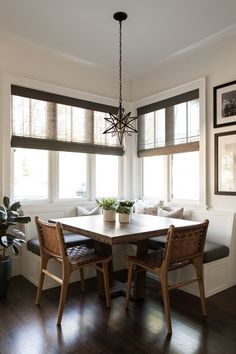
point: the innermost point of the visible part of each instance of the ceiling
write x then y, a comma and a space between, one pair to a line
85, 30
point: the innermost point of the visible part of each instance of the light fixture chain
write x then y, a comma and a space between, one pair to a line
120, 64
120, 123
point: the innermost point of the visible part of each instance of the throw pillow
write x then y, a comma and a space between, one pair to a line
147, 207
171, 213
85, 212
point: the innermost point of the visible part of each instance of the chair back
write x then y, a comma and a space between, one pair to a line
51, 238
185, 243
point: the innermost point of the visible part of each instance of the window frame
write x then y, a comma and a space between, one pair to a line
197, 84
53, 181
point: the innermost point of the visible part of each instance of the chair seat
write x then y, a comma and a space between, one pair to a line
154, 260
82, 255
212, 250
71, 240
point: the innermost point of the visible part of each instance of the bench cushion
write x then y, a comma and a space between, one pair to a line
212, 250
71, 240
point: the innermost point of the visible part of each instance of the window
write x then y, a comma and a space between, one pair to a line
185, 176
169, 145
72, 175
154, 177
59, 149
30, 174
106, 176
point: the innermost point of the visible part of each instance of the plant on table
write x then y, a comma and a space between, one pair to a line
125, 210
109, 206
108, 203
125, 207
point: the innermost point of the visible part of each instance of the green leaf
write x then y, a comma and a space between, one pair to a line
3, 215
7, 241
15, 233
13, 213
6, 202
15, 206
23, 219
15, 250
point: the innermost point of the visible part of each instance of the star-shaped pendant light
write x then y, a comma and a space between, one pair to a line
121, 123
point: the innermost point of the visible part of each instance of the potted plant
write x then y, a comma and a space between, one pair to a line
109, 206
10, 237
125, 210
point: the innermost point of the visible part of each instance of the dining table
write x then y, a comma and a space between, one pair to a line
109, 233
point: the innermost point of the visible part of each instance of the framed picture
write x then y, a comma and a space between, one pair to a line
225, 163
224, 104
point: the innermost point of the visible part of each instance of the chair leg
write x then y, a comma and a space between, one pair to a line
106, 283
199, 270
44, 261
64, 288
129, 282
82, 283
166, 300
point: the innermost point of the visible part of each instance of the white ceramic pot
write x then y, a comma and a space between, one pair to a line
124, 218
109, 215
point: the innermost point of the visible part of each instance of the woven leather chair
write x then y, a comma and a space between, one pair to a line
52, 245
185, 245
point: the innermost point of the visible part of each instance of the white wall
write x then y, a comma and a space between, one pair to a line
215, 61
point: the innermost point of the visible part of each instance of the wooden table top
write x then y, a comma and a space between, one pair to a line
141, 227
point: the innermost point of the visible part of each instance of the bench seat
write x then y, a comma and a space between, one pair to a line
71, 240
212, 250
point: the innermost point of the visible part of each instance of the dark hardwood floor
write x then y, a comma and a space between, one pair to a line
88, 327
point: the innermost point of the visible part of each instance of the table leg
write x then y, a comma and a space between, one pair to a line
138, 288
116, 287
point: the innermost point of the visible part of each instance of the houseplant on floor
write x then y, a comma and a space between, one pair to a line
109, 206
125, 210
10, 237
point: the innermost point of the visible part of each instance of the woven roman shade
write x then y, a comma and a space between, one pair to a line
169, 126
48, 121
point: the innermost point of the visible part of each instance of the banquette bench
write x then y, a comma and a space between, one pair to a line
212, 250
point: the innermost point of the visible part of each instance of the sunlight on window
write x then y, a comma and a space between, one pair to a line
106, 176
185, 176
154, 176
72, 175
30, 174
180, 123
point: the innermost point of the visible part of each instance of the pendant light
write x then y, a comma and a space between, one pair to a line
121, 123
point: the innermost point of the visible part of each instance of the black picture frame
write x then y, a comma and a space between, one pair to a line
225, 163
224, 106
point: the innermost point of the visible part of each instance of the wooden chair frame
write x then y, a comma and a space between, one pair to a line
52, 246
185, 245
